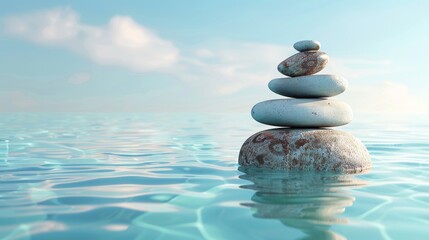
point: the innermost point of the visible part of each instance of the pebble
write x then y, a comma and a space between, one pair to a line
306, 145
303, 63
324, 150
307, 45
312, 86
303, 112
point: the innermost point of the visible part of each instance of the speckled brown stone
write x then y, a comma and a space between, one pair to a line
323, 150
303, 63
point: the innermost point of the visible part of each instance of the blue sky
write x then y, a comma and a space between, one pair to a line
205, 56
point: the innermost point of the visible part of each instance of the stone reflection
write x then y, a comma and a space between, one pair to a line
310, 202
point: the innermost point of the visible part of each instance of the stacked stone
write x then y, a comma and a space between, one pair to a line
305, 144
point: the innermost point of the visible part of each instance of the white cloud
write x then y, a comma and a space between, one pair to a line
122, 42
217, 71
230, 67
223, 68
370, 94
385, 99
58, 26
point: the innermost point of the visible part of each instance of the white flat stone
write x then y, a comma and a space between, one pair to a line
303, 112
311, 86
307, 45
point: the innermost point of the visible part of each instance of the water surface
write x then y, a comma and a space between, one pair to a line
175, 176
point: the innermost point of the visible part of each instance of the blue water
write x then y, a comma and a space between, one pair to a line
175, 176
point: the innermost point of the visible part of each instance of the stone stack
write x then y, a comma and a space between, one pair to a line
306, 143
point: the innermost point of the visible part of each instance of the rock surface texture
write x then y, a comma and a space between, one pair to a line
305, 145
303, 63
303, 112
305, 150
312, 86
307, 45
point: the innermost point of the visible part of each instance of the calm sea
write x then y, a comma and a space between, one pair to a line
175, 176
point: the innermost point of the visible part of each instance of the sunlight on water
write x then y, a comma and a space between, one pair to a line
175, 176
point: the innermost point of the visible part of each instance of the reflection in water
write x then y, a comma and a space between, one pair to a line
310, 202
4, 150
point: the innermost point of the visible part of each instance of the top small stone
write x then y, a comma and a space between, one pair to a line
307, 45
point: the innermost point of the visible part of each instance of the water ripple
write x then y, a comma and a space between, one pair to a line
134, 176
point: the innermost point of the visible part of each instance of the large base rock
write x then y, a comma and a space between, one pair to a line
323, 150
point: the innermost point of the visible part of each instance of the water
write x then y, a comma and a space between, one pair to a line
175, 176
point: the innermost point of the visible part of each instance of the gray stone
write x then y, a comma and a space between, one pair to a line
323, 150
312, 86
307, 45
303, 63
303, 112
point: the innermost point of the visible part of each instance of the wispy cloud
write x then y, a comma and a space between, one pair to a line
229, 67
354, 68
121, 42
17, 100
213, 73
79, 78
222, 68
385, 99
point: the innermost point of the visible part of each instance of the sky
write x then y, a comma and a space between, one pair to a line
206, 56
